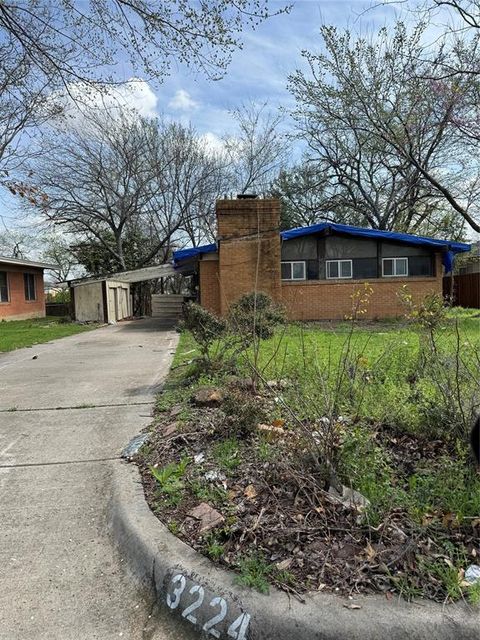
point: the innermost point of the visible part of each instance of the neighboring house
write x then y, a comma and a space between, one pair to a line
313, 270
22, 289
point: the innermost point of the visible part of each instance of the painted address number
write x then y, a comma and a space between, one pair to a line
237, 630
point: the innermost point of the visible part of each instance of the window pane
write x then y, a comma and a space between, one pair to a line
388, 267
298, 270
364, 268
420, 266
3, 287
401, 267
313, 270
332, 269
346, 269
286, 271
29, 282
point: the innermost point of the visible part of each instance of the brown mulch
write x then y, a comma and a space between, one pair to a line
281, 508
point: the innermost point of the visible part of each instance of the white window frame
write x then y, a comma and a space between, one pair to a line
394, 274
339, 277
291, 263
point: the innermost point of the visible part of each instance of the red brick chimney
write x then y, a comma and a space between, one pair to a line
249, 248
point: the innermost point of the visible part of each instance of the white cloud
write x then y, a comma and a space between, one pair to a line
182, 101
213, 142
131, 99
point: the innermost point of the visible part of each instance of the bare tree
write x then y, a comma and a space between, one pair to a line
71, 41
127, 189
259, 148
374, 112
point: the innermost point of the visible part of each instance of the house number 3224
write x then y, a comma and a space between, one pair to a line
218, 607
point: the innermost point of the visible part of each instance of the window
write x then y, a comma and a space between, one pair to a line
394, 267
339, 269
3, 286
29, 283
293, 270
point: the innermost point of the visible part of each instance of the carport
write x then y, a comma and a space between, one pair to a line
109, 299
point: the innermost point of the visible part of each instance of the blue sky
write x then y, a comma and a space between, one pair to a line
259, 72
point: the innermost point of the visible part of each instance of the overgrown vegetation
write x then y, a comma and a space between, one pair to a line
337, 454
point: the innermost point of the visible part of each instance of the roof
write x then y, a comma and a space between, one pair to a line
360, 232
407, 238
193, 252
27, 263
134, 275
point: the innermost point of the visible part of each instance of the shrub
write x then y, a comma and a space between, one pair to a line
207, 330
255, 315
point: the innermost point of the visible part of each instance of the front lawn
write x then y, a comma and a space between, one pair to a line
25, 333
335, 456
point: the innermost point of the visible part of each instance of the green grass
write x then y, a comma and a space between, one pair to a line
26, 333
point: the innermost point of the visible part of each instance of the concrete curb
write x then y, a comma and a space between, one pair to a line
203, 597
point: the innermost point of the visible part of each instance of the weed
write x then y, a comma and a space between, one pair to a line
170, 481
474, 593
448, 574
265, 451
406, 586
227, 454
254, 572
174, 527
245, 412
213, 548
208, 493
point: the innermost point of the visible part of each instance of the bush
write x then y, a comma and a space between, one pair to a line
206, 329
255, 315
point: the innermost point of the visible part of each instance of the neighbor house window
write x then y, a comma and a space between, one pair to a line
293, 270
339, 269
3, 286
29, 283
394, 267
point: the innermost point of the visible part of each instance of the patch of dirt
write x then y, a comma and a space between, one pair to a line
268, 495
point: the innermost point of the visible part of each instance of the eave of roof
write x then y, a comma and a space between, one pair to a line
28, 263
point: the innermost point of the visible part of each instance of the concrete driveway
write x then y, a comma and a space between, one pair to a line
64, 418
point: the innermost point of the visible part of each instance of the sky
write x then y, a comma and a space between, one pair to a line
259, 72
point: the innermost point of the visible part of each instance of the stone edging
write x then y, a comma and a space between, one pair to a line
203, 597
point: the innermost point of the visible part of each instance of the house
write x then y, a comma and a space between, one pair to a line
21, 288
312, 270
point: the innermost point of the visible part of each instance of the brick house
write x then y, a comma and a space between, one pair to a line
313, 270
21, 289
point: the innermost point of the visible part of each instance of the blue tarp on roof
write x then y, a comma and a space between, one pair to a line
192, 252
450, 248
448, 258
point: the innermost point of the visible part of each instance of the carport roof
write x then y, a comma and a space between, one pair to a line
134, 275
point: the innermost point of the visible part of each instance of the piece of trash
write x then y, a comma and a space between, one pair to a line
472, 574
134, 445
34, 357
351, 606
200, 457
213, 476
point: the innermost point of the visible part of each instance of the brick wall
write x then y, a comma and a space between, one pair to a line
315, 300
17, 308
209, 285
249, 248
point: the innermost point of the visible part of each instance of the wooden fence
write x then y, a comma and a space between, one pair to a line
58, 308
466, 290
